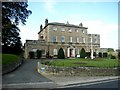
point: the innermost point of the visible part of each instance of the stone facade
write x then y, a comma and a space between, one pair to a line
72, 38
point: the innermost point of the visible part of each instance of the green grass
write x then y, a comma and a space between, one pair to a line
101, 62
9, 59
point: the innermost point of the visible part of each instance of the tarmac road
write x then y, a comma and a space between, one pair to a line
24, 74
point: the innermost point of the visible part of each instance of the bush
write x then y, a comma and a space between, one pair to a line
100, 54
61, 54
39, 54
113, 57
88, 54
82, 53
94, 54
31, 54
105, 55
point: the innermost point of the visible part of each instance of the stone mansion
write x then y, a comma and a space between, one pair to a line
55, 35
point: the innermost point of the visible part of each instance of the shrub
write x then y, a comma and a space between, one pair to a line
61, 54
100, 54
88, 54
82, 53
39, 54
94, 54
113, 57
105, 54
31, 54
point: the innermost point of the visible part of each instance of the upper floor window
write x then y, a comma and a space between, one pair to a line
63, 39
70, 30
95, 39
55, 39
70, 39
62, 29
55, 28
76, 30
83, 31
77, 39
83, 40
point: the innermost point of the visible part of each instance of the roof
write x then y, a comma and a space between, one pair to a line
63, 24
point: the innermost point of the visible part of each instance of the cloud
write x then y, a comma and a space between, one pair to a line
49, 5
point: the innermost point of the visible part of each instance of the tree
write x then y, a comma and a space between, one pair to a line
61, 54
110, 50
13, 13
82, 53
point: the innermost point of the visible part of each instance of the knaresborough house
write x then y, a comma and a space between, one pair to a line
71, 38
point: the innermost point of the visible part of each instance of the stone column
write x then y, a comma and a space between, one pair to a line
68, 52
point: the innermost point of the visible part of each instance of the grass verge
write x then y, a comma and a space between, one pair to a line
9, 59
100, 62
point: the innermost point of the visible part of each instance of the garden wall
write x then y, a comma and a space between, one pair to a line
78, 71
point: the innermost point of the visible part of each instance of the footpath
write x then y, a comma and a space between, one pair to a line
68, 80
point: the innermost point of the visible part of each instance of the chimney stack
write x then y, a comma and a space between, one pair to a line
46, 22
40, 27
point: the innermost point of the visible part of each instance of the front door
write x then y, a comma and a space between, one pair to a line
70, 52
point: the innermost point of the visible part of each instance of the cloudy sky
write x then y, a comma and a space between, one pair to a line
100, 18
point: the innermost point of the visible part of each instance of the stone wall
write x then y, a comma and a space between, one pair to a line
78, 71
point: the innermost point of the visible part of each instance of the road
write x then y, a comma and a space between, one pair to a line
109, 85
24, 74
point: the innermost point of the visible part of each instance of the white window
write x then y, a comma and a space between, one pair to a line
62, 29
63, 39
95, 39
55, 39
55, 51
77, 39
55, 28
76, 30
70, 39
70, 30
83, 40
83, 31
90, 40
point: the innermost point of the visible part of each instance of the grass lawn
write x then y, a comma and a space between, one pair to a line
100, 62
9, 59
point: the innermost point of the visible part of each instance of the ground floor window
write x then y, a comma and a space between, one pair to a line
55, 51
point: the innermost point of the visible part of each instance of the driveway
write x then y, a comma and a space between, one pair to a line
24, 74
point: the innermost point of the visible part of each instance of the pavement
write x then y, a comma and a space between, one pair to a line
27, 76
67, 81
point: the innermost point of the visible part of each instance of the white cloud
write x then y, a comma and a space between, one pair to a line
49, 5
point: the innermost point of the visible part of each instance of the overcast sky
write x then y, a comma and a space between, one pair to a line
100, 18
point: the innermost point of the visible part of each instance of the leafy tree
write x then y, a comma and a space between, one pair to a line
13, 13
61, 54
82, 53
39, 54
110, 50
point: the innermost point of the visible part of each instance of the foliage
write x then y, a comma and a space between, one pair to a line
9, 59
119, 55
61, 54
110, 50
94, 54
105, 55
113, 57
32, 54
88, 54
99, 62
82, 53
12, 14
100, 54
39, 54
